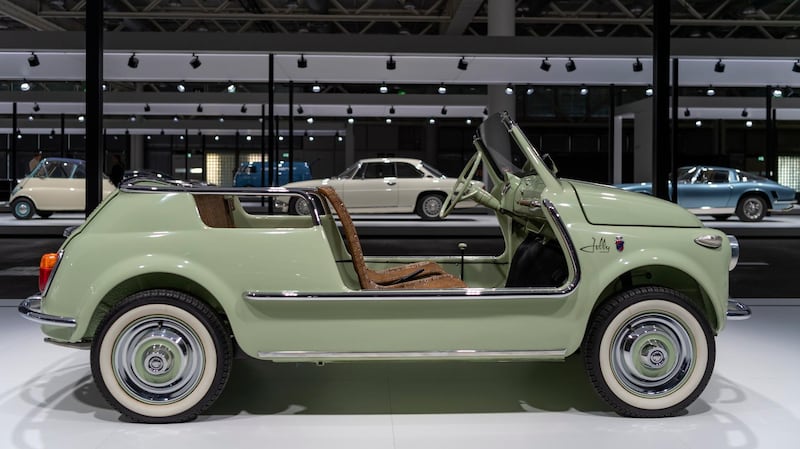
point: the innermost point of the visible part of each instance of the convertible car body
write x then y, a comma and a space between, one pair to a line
638, 285
722, 192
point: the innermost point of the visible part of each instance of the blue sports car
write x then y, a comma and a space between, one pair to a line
722, 192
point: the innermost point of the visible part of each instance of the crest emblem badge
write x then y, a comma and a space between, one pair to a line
619, 243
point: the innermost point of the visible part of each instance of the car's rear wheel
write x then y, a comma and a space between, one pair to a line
44, 214
299, 206
751, 208
721, 217
649, 352
161, 356
429, 205
23, 208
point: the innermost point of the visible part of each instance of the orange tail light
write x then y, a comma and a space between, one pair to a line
46, 264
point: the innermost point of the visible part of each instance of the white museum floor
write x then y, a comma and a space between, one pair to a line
48, 400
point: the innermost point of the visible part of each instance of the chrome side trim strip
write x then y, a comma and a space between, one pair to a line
67, 344
31, 309
457, 353
738, 310
713, 211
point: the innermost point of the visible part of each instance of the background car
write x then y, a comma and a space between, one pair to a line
55, 185
381, 185
249, 173
722, 192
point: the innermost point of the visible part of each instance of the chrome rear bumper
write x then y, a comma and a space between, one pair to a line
737, 310
31, 309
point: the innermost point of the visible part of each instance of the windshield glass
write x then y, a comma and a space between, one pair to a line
349, 171
505, 156
436, 173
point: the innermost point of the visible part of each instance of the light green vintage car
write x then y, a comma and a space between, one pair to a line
163, 283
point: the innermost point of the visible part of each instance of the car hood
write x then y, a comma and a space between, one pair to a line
604, 204
307, 184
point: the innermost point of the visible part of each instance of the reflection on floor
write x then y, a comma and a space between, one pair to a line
48, 400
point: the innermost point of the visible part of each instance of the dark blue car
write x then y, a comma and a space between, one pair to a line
722, 192
249, 174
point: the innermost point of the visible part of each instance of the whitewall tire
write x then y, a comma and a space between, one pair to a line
649, 352
161, 356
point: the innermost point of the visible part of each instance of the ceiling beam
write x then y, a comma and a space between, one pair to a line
28, 18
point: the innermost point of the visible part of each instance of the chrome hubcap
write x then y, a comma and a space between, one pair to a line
431, 206
301, 207
23, 209
752, 209
652, 354
158, 360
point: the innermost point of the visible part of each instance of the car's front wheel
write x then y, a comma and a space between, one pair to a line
161, 356
23, 208
649, 352
751, 208
429, 205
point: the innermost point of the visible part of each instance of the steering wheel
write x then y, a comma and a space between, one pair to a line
463, 188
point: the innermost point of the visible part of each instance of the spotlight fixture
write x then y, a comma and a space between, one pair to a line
349, 110
133, 61
300, 110
468, 121
147, 107
745, 113
339, 137
280, 138
222, 119
710, 91
81, 118
686, 112
442, 89
310, 120
485, 112
179, 137
388, 120
316, 88
777, 92
310, 138
637, 65
199, 108
24, 85
248, 138
530, 90
570, 65
383, 88
391, 110
162, 132
351, 120
391, 64
33, 60
698, 123
796, 66
545, 65
36, 107
584, 91
181, 87
133, 118
431, 121
509, 89
195, 61
302, 62
175, 119
30, 118
719, 67
244, 109
649, 91
104, 86
231, 87
216, 138
444, 110
462, 64
52, 133
748, 123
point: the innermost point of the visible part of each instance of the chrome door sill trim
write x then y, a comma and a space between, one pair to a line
461, 294
454, 354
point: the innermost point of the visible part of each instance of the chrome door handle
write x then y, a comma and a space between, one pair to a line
391, 183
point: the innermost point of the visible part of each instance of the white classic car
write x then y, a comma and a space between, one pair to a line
56, 185
382, 185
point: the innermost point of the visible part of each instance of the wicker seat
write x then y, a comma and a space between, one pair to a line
418, 275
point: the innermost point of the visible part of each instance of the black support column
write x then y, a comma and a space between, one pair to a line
661, 136
94, 104
673, 148
273, 153
770, 162
12, 173
612, 111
